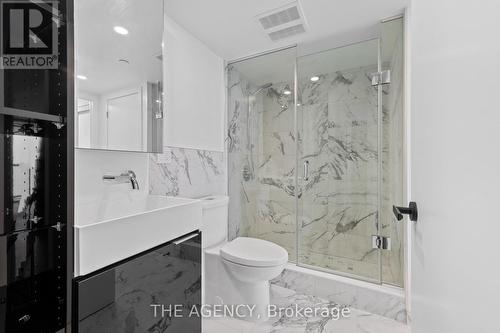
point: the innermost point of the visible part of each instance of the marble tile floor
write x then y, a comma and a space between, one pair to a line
357, 322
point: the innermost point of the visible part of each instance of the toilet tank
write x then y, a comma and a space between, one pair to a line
214, 220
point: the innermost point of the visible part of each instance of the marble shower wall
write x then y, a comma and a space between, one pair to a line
338, 134
188, 173
261, 148
238, 154
338, 208
338, 126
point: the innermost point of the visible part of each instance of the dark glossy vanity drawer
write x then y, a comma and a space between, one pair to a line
123, 298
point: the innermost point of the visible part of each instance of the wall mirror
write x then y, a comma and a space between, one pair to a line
118, 60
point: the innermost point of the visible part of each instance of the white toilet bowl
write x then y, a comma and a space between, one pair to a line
253, 260
237, 272
252, 274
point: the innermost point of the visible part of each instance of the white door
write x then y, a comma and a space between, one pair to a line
125, 122
83, 128
455, 165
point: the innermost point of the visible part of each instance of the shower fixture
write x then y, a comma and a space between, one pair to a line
248, 172
262, 87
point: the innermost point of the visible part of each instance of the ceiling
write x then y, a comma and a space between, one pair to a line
230, 29
99, 47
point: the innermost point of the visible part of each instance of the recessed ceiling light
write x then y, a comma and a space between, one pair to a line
315, 78
81, 77
120, 30
287, 92
124, 61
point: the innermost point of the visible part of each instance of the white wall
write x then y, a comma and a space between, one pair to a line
91, 165
194, 92
455, 70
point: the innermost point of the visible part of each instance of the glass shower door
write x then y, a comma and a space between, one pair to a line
262, 148
338, 124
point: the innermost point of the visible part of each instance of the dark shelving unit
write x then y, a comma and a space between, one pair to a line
36, 191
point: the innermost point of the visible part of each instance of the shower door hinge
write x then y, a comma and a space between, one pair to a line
381, 242
383, 77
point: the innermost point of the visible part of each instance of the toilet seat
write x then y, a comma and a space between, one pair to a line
254, 252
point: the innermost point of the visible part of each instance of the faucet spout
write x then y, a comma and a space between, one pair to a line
125, 177
133, 180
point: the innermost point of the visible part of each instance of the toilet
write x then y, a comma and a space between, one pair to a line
237, 272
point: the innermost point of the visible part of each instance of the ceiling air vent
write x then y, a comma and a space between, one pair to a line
283, 22
287, 32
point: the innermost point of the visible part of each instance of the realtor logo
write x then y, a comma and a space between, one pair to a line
29, 34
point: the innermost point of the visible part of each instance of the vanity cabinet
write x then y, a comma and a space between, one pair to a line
141, 293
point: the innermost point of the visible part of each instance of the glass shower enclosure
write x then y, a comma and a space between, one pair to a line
315, 155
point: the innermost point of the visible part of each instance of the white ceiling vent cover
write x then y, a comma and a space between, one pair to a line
283, 22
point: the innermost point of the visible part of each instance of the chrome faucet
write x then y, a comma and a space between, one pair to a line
125, 177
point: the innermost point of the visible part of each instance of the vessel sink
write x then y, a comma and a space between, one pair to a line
108, 231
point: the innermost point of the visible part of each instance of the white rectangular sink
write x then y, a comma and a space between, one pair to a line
112, 230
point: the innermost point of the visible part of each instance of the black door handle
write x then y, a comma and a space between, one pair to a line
411, 211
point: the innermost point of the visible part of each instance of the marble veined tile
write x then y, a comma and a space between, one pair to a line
357, 321
187, 172
353, 84
338, 135
372, 300
349, 114
295, 282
